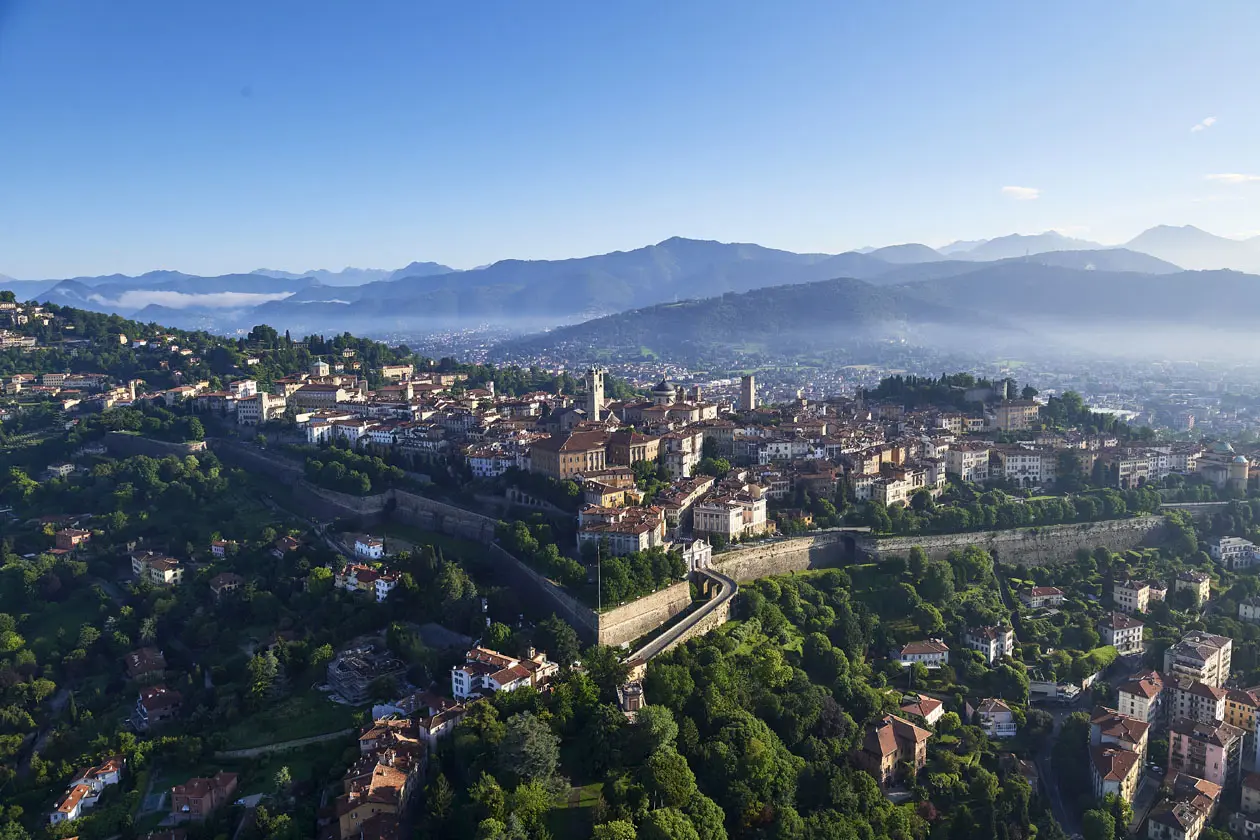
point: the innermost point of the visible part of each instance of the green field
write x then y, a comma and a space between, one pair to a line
299, 716
453, 548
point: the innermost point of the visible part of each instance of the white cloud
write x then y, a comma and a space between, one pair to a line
1021, 193
138, 299
1232, 178
1208, 122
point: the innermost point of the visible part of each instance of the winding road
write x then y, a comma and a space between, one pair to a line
727, 588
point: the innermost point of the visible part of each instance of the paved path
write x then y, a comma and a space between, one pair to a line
267, 749
727, 588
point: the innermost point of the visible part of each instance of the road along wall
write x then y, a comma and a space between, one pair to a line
1029, 546
630, 621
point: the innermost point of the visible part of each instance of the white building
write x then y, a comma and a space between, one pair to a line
731, 515
968, 462
1234, 552
370, 547
1122, 632
1202, 656
259, 408
996, 718
930, 652
1249, 609
486, 671
992, 642
1142, 696
85, 789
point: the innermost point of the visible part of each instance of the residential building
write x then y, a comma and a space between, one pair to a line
377, 790
357, 577
1189, 698
992, 642
731, 514
315, 396
890, 743
928, 708
1234, 553
1198, 584
627, 447
1023, 466
1110, 728
85, 789
996, 718
68, 539
260, 408
1114, 771
1184, 816
1037, 597
1201, 656
225, 582
1015, 415
1249, 609
1240, 708
197, 798
968, 462
486, 671
1142, 697
1131, 596
157, 569
930, 652
1121, 631
352, 672
621, 531
156, 705
370, 547
146, 664
1210, 751
1251, 794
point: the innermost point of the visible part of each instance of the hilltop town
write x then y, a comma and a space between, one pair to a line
275, 587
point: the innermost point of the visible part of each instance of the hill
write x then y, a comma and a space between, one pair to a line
791, 318
1194, 248
912, 252
1017, 245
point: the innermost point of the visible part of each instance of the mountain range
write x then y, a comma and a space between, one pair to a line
540, 294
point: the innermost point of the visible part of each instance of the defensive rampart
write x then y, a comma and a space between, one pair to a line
1028, 546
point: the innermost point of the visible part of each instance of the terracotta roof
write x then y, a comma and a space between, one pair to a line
71, 799
144, 660
1113, 724
1147, 685
1251, 780
1113, 765
1120, 621
882, 735
923, 706
926, 646
993, 706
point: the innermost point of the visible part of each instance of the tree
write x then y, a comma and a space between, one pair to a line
281, 782
607, 669
263, 670
654, 728
559, 640
669, 779
615, 830
1098, 825
530, 802
439, 798
667, 824
529, 751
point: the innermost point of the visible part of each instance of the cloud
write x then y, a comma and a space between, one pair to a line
1021, 193
1232, 178
1208, 122
138, 299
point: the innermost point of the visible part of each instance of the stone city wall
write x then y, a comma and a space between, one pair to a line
126, 445
780, 557
1029, 546
630, 621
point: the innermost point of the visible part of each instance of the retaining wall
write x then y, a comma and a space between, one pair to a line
783, 556
629, 622
1029, 546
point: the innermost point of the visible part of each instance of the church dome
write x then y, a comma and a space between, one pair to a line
664, 387
1240, 460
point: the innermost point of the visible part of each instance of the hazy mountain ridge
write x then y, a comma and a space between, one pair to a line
538, 294
1192, 247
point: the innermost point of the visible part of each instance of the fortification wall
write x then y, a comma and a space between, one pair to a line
1029, 546
629, 622
582, 618
127, 445
783, 556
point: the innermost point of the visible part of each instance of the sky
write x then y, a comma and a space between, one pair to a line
229, 136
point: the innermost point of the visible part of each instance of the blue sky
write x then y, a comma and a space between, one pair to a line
226, 136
